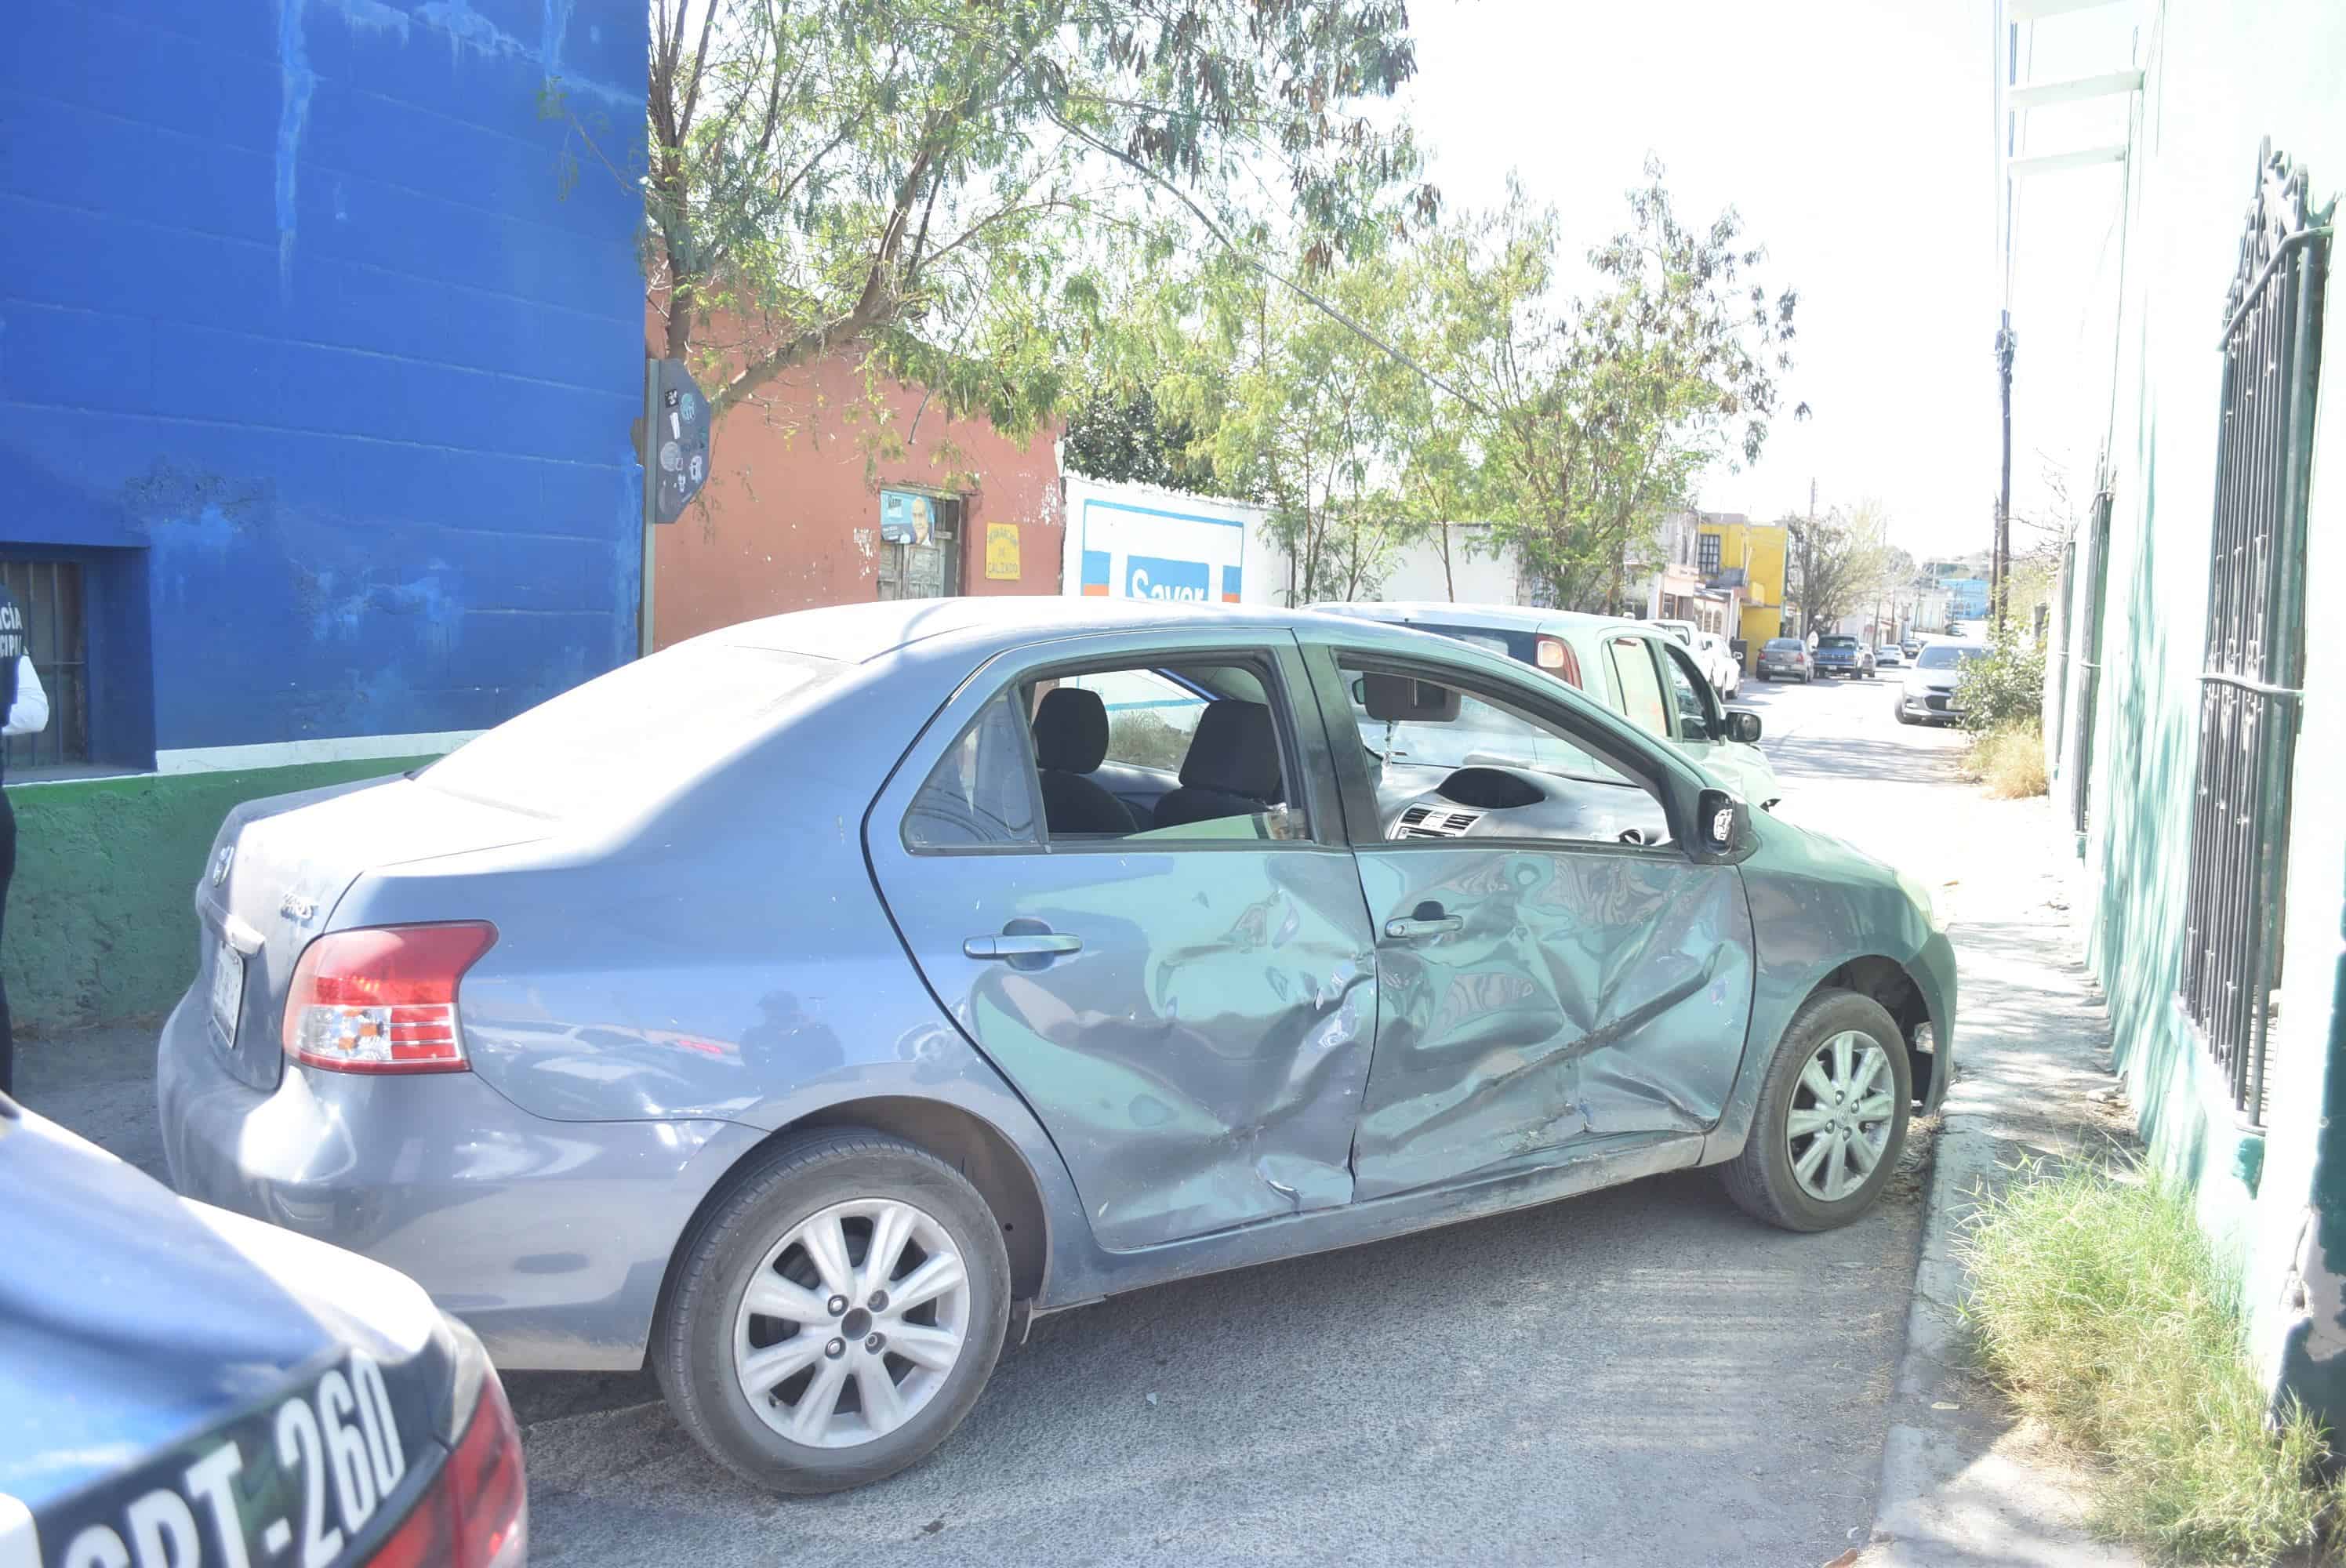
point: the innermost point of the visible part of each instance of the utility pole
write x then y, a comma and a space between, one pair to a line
2001, 568
1808, 566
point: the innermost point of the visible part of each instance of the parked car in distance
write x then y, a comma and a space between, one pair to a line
1910, 647
1926, 694
1718, 663
188, 1386
1685, 631
1841, 654
916, 998
1889, 656
1653, 679
1786, 658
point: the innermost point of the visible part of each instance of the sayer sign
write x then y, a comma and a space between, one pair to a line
1136, 542
1154, 577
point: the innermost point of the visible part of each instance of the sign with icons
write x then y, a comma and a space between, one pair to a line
675, 439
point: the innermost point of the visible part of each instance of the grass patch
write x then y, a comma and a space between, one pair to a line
2010, 761
2097, 1306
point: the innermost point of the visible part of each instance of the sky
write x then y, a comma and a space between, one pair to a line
1856, 138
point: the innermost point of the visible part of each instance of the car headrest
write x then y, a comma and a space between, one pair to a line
1234, 750
1070, 730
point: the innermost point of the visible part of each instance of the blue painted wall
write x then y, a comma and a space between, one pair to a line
321, 333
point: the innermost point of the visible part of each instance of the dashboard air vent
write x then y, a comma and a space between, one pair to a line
1432, 822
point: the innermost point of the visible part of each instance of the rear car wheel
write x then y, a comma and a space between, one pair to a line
1831, 1122
833, 1317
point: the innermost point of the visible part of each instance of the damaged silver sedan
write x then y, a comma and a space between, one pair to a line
796, 1009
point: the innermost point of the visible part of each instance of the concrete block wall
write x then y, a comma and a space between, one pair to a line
321, 336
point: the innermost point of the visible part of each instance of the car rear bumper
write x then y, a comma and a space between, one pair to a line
549, 1238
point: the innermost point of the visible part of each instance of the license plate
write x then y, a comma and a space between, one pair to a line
292, 1485
228, 989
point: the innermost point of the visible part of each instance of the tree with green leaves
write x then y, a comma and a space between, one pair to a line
1846, 562
1314, 407
943, 184
1582, 419
1127, 437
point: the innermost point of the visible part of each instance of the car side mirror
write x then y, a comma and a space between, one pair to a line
1719, 821
1740, 724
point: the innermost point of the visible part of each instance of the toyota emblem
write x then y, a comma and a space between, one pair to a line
219, 863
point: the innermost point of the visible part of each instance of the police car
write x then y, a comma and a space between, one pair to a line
181, 1387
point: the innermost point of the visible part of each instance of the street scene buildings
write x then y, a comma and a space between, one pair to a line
1061, 781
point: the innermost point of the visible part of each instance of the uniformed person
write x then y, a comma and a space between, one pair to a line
26, 708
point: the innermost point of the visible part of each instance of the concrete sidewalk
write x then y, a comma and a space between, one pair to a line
1962, 1482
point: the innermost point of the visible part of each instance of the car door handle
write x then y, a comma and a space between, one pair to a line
1441, 925
1023, 944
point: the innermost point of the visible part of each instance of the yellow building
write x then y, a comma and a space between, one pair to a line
1748, 557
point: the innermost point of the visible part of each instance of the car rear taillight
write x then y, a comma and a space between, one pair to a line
477, 1514
1556, 657
382, 999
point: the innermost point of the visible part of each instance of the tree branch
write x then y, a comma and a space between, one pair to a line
1245, 259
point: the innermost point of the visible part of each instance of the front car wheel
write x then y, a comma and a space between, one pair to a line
1831, 1120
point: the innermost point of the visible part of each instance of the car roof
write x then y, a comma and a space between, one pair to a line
1507, 618
858, 633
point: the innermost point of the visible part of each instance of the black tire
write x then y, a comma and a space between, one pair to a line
1764, 676
693, 1332
1899, 707
1760, 1179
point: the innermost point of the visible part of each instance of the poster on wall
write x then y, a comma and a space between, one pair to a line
905, 518
1002, 552
1136, 542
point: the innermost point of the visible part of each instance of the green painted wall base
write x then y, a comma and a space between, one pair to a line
100, 923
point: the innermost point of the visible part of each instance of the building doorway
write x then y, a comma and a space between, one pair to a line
920, 546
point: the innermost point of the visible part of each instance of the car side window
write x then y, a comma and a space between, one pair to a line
1640, 688
1448, 761
1151, 719
1688, 686
981, 793
1212, 733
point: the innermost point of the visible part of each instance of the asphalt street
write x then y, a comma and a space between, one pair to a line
1639, 1376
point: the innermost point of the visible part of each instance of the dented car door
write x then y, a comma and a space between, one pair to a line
1535, 992
1188, 1015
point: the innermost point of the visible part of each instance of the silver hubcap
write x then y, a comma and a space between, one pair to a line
1843, 1111
851, 1323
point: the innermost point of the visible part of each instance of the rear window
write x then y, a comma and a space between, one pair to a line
1781, 643
1836, 642
632, 734
1522, 646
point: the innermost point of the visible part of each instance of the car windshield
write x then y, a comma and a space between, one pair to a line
1947, 655
1481, 733
632, 734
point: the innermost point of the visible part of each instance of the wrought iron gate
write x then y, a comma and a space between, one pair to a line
2256, 605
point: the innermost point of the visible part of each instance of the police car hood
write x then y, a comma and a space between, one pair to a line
131, 1319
